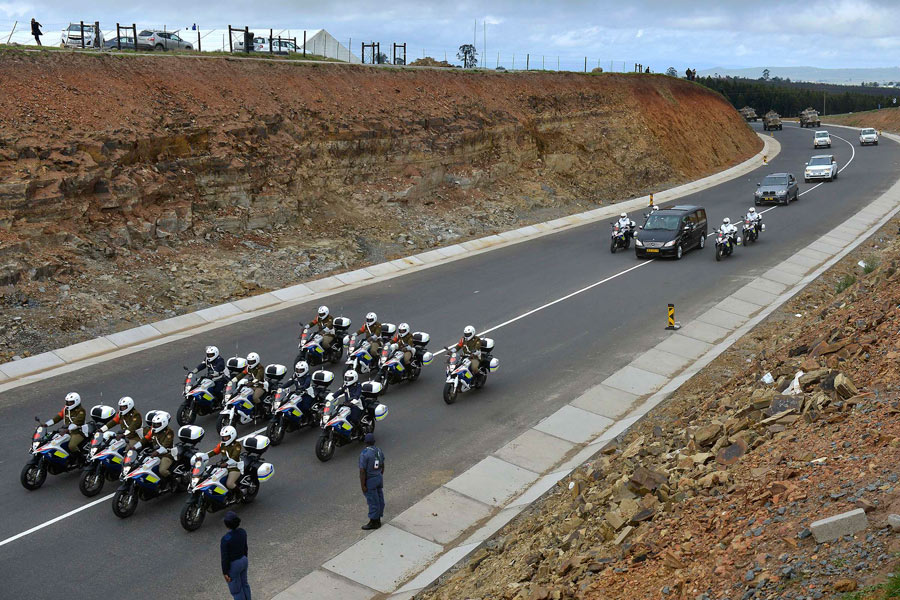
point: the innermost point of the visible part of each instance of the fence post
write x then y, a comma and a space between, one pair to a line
97, 43
585, 64
82, 34
118, 37
304, 43
16, 24
270, 41
198, 41
134, 27
527, 61
230, 44
246, 39
349, 57
362, 52
514, 62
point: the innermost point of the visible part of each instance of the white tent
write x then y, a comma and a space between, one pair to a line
322, 43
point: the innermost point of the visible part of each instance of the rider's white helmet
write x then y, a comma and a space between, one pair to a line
351, 377
252, 360
655, 207
468, 332
301, 368
160, 421
323, 311
726, 221
73, 400
126, 404
212, 353
371, 318
402, 329
228, 434
624, 215
752, 209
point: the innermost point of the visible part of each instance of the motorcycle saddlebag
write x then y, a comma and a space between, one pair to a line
256, 444
322, 378
191, 434
388, 330
421, 339
236, 364
342, 324
371, 388
487, 345
265, 471
494, 364
275, 371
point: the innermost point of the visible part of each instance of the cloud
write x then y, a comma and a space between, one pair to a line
639, 34
15, 9
492, 20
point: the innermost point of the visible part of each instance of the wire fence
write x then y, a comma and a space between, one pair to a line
320, 43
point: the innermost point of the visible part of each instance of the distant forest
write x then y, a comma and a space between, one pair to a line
788, 98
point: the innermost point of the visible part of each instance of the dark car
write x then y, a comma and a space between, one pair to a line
671, 232
113, 44
780, 188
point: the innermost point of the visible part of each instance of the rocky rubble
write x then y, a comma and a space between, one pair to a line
713, 494
190, 182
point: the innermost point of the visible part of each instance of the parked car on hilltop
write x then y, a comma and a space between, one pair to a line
779, 188
113, 44
71, 36
161, 40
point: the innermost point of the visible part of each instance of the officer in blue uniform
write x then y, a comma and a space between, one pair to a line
371, 479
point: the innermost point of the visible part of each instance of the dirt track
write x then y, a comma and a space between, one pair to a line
134, 188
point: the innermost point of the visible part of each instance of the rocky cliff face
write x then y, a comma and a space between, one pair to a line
291, 170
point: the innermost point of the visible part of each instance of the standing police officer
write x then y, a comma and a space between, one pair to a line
371, 472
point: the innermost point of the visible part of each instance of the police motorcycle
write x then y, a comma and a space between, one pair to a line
725, 244
239, 407
312, 350
751, 229
298, 409
207, 489
337, 430
620, 237
50, 449
360, 358
140, 472
460, 377
199, 399
391, 369
106, 456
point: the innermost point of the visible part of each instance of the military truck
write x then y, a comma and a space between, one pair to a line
772, 121
810, 118
749, 114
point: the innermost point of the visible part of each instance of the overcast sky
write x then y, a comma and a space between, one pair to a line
659, 33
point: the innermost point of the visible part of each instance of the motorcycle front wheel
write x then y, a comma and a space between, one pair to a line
222, 421
612, 245
91, 482
125, 502
450, 393
186, 414
275, 432
718, 253
33, 476
192, 514
325, 447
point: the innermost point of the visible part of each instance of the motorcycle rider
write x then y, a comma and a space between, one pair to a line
404, 341
625, 225
728, 230
469, 346
72, 416
352, 388
130, 421
255, 375
754, 217
325, 323
215, 369
301, 383
161, 438
371, 332
230, 449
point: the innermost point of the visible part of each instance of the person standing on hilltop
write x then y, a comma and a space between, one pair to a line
36, 31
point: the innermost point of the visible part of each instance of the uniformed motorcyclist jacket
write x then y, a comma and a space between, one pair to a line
76, 416
130, 421
232, 452
324, 325
470, 347
353, 391
258, 372
404, 342
215, 368
370, 331
300, 384
162, 440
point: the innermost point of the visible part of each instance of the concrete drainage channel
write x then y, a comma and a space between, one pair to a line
419, 545
50, 364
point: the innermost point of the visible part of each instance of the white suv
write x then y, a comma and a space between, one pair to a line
868, 136
822, 167
822, 140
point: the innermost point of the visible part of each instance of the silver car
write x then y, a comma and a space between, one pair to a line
71, 36
162, 40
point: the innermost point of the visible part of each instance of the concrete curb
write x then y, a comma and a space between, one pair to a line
479, 502
50, 364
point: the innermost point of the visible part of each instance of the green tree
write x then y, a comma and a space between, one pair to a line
766, 74
671, 72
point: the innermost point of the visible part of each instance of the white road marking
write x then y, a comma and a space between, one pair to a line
441, 351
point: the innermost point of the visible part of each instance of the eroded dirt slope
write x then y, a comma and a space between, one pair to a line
886, 119
134, 188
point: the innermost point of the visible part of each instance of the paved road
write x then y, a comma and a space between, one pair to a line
311, 511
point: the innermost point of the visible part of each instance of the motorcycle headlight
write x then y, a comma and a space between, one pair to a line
638, 243
669, 244
34, 445
195, 481
757, 193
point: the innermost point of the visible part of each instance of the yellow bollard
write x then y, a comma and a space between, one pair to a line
651, 200
765, 159
671, 323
